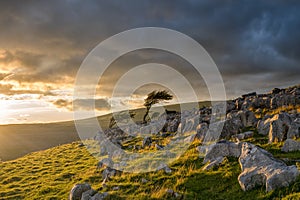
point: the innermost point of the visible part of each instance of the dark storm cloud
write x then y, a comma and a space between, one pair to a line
252, 42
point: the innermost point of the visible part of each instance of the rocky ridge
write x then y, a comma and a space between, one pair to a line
251, 110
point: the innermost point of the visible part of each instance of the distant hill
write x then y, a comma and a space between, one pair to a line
21, 139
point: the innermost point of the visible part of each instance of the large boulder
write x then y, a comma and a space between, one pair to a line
78, 190
259, 167
291, 145
279, 126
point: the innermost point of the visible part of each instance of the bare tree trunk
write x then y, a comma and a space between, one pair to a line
146, 114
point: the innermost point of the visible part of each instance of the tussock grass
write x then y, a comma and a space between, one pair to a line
51, 174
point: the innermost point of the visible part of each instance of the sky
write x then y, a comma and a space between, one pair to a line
255, 45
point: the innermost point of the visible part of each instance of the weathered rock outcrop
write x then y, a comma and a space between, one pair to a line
279, 126
93, 195
201, 131
291, 145
236, 121
263, 126
188, 124
147, 141
78, 190
216, 153
294, 130
243, 136
259, 167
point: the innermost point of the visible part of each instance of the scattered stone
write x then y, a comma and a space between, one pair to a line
144, 180
294, 130
80, 145
146, 142
158, 147
276, 91
222, 149
214, 163
189, 124
116, 188
249, 94
108, 172
243, 136
173, 125
172, 193
87, 195
189, 139
165, 168
279, 126
106, 162
169, 191
99, 196
291, 145
259, 167
201, 131
78, 190
263, 126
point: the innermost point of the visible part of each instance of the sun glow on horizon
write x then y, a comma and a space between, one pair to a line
3, 111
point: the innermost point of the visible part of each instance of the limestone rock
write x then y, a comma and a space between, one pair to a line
214, 163
105, 162
146, 142
190, 124
108, 172
291, 145
201, 131
222, 149
164, 167
294, 130
243, 136
279, 126
87, 195
259, 167
263, 126
172, 126
78, 190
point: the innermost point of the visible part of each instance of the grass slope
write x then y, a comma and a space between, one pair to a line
50, 174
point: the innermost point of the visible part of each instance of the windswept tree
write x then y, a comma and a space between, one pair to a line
155, 97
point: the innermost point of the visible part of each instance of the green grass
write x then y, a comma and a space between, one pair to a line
51, 174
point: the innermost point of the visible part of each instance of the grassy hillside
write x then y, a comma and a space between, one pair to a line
50, 174
19, 140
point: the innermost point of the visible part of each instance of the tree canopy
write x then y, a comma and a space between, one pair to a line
155, 97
